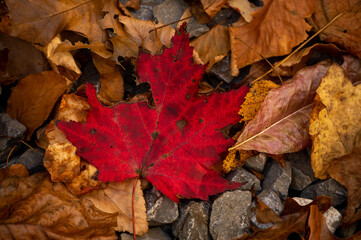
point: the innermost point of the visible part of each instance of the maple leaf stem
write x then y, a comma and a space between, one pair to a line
133, 217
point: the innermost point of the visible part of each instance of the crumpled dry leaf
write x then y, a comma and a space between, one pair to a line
34, 204
117, 198
138, 31
281, 125
40, 21
111, 81
345, 31
265, 214
212, 46
244, 7
123, 46
60, 157
336, 131
33, 98
17, 64
135, 4
275, 29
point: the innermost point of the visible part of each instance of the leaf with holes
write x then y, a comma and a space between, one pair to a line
174, 145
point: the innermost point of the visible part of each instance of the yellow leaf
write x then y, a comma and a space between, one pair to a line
336, 131
232, 162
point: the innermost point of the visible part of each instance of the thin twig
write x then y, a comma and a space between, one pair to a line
133, 215
3, 136
307, 41
170, 23
7, 159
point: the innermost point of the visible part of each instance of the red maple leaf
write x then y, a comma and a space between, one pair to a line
174, 145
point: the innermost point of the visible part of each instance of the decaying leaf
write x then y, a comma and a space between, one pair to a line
73, 108
40, 21
254, 99
276, 28
281, 125
17, 63
35, 204
336, 132
33, 98
111, 81
117, 198
341, 31
346, 171
212, 46
212, 7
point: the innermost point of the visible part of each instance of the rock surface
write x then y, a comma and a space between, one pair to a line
222, 69
31, 159
330, 188
257, 162
302, 173
230, 216
11, 128
332, 216
170, 11
271, 199
277, 178
160, 209
193, 221
152, 234
241, 175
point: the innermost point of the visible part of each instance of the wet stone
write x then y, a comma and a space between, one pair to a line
160, 209
272, 200
224, 17
152, 234
11, 128
328, 187
278, 178
170, 11
257, 162
193, 221
302, 173
31, 159
222, 69
240, 175
230, 215
332, 216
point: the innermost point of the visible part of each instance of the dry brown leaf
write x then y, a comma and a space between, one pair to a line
352, 66
123, 46
135, 4
33, 98
275, 29
110, 19
17, 170
95, 47
117, 198
212, 46
244, 7
212, 7
138, 31
40, 21
294, 218
281, 125
336, 131
35, 203
300, 59
265, 214
345, 31
111, 81
17, 63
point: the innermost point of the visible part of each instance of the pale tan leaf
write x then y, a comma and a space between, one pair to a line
117, 198
244, 7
